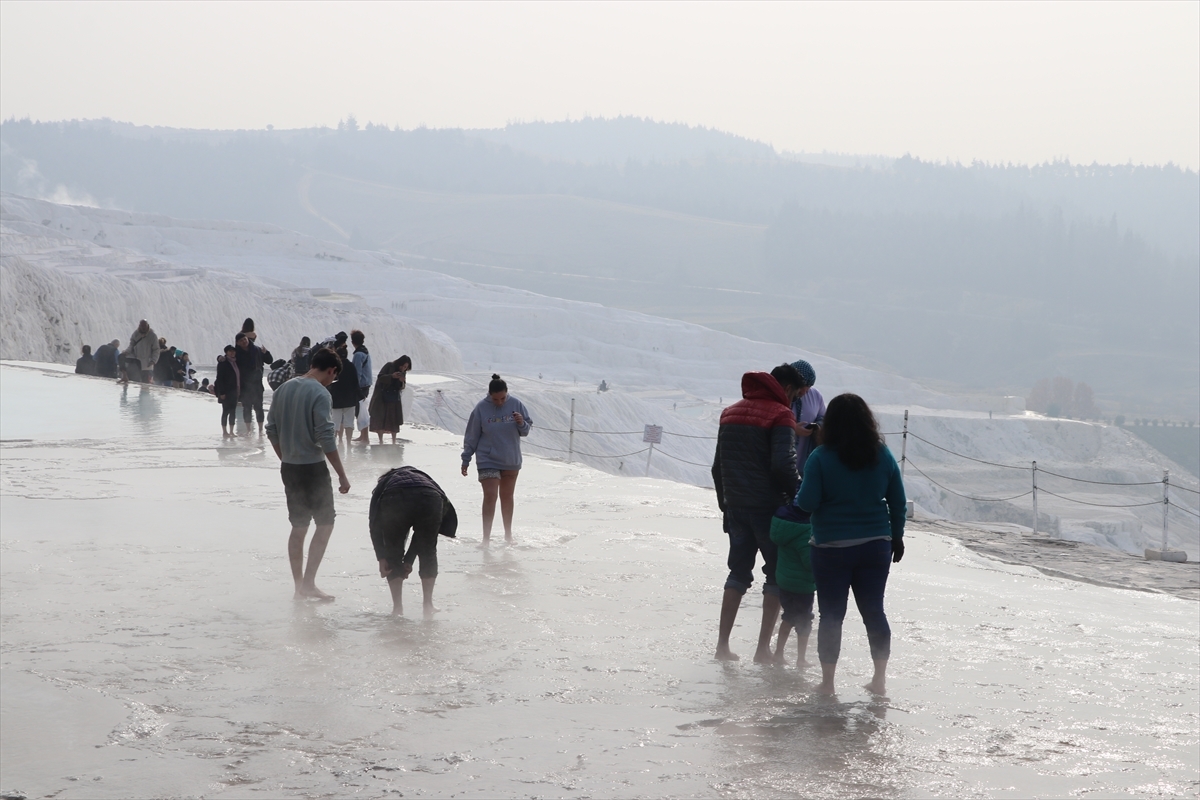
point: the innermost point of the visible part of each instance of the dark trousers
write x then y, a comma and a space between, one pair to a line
863, 568
252, 398
399, 512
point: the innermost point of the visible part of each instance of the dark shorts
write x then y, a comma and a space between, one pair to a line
309, 493
399, 512
750, 534
797, 610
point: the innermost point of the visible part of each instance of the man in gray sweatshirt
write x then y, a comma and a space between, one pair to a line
300, 427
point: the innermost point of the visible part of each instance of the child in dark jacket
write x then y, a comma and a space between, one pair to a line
791, 532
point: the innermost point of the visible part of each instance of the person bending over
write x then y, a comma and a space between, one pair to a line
405, 499
300, 428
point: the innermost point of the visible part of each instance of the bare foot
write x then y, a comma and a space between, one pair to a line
430, 611
313, 593
876, 686
825, 688
397, 611
725, 654
764, 656
803, 664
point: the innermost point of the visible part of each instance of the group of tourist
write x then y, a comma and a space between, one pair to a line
355, 406
815, 492
811, 489
147, 359
302, 430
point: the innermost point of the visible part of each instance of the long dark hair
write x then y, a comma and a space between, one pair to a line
852, 432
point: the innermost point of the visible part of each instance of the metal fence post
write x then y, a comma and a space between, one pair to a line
648, 457
1166, 505
571, 435
1035, 520
904, 445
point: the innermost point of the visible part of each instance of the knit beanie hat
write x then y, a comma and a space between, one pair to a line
807, 373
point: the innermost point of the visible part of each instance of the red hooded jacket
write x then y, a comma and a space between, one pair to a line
755, 462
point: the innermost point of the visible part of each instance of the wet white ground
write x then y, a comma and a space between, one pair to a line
150, 645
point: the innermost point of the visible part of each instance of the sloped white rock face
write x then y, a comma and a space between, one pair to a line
58, 293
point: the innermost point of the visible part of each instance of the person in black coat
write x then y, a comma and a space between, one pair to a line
250, 360
86, 365
228, 388
106, 359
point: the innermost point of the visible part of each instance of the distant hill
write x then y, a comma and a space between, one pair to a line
594, 140
983, 276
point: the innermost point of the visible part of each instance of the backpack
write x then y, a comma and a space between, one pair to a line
280, 375
302, 364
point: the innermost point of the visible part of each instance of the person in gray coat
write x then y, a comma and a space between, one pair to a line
142, 353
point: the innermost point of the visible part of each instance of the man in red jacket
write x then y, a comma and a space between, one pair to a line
754, 472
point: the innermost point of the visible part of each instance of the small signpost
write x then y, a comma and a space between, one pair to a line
653, 435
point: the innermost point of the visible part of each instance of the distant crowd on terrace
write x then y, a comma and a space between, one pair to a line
242, 366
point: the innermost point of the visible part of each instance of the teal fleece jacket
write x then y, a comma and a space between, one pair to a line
793, 567
852, 504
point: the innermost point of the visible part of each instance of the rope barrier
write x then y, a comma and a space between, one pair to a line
689, 435
967, 496
684, 460
589, 455
1100, 483
909, 460
960, 455
1101, 505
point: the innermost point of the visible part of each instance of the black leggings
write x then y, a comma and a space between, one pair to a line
229, 412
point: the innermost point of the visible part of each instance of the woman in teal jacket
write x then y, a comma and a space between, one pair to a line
853, 490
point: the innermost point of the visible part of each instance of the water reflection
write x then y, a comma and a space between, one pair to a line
143, 409
778, 737
309, 626
381, 456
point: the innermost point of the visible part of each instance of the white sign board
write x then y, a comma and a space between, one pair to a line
652, 434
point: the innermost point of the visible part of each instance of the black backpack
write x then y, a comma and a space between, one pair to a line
302, 364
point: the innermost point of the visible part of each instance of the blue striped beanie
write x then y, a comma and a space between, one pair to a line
807, 373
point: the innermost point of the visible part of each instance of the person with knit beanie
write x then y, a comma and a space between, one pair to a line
809, 408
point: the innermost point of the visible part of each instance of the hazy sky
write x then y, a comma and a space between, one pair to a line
1109, 82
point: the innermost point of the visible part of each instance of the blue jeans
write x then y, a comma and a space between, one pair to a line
750, 534
863, 568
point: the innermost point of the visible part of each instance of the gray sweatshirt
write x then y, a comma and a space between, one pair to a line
493, 437
300, 421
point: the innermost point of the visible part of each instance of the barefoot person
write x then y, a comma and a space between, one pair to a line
386, 412
493, 436
407, 499
852, 488
754, 472
300, 428
791, 531
228, 387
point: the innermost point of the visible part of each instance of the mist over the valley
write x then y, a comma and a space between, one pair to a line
972, 277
